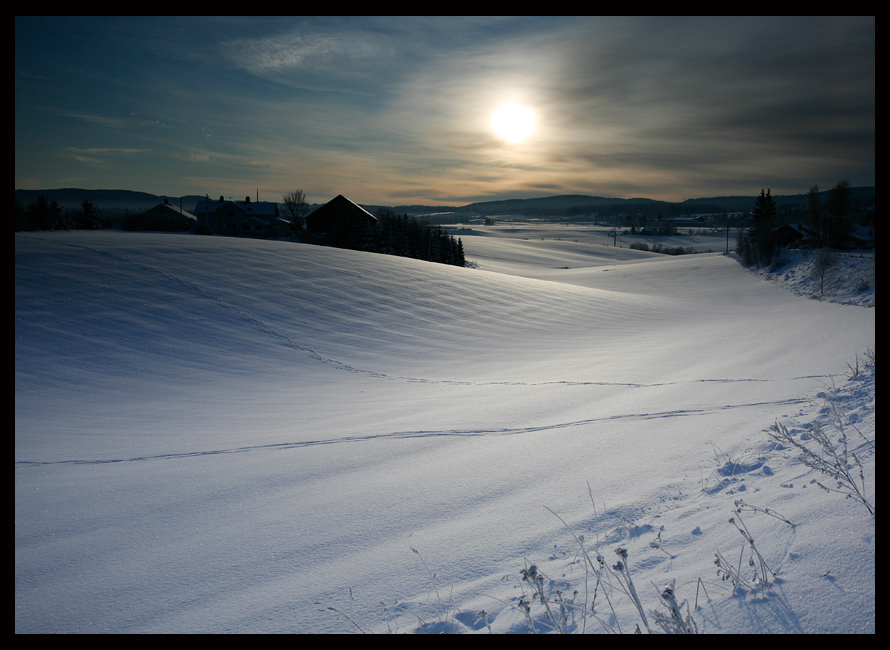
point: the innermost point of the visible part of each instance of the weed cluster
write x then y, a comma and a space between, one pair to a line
603, 582
836, 460
560, 610
563, 615
840, 464
754, 574
858, 367
674, 621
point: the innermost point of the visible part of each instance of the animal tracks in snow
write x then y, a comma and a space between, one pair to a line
409, 434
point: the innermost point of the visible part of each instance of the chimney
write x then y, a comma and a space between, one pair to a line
247, 199
220, 198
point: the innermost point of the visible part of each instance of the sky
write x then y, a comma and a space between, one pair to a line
398, 110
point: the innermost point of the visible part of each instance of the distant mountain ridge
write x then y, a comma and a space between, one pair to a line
569, 205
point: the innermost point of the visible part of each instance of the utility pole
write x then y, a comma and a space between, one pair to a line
727, 235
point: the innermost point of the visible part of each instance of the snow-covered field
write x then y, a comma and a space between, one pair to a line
224, 435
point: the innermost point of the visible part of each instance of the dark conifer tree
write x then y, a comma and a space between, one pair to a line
87, 217
46, 215
758, 246
839, 209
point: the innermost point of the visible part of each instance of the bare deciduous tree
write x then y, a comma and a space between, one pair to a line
295, 207
822, 262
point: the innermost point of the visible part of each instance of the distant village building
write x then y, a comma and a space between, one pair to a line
164, 217
863, 237
339, 214
241, 218
166, 210
795, 235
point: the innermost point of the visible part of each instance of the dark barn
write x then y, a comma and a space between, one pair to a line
340, 222
337, 213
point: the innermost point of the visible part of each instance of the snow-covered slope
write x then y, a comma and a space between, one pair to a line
220, 435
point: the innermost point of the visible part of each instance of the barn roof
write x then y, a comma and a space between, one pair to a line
340, 206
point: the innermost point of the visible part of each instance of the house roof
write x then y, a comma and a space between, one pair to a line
251, 208
863, 234
168, 207
803, 231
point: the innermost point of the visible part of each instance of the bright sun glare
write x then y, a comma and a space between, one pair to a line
513, 122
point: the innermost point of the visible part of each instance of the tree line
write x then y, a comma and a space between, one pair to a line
43, 214
828, 222
407, 237
400, 235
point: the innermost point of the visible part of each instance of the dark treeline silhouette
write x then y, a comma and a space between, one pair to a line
407, 237
43, 214
664, 250
827, 223
400, 235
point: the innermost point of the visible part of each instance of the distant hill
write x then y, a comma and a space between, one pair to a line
555, 205
863, 195
580, 205
565, 206
108, 201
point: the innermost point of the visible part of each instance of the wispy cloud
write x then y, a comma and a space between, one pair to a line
98, 156
302, 52
661, 107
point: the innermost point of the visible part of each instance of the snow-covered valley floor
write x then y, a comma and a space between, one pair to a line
220, 435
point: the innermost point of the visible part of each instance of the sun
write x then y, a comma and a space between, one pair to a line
513, 122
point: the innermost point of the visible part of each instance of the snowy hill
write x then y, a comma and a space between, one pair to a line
224, 435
